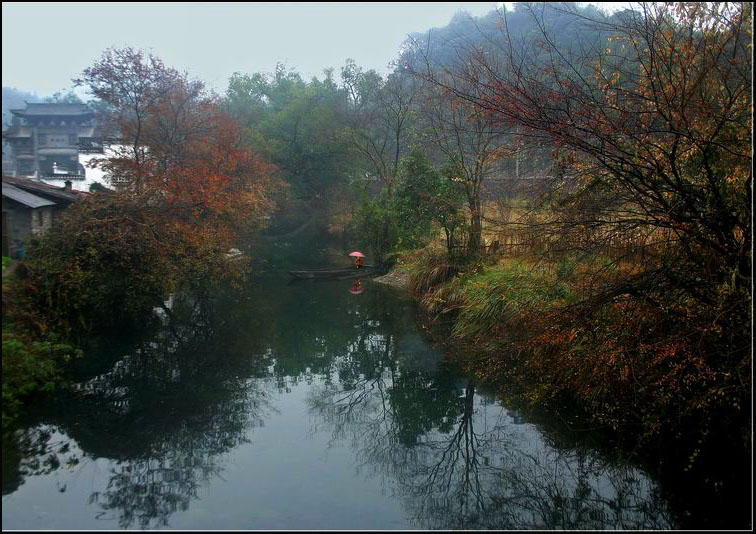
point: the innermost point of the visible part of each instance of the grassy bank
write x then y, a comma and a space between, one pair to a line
643, 370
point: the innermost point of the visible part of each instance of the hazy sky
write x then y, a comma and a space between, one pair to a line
46, 44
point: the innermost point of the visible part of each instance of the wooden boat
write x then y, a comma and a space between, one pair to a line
339, 274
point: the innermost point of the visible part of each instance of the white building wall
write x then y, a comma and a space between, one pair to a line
91, 175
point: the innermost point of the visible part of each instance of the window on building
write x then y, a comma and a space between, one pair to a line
71, 139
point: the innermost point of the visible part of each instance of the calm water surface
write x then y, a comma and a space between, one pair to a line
301, 406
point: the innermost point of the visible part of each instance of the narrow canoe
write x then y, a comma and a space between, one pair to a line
334, 273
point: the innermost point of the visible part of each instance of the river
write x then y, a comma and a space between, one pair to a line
309, 405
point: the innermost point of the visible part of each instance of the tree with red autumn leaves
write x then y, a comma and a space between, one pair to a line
179, 151
186, 192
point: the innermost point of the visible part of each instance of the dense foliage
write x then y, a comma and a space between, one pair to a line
29, 366
185, 192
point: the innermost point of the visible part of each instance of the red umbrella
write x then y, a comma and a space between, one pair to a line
357, 254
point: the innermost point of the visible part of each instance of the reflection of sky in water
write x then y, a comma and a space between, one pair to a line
304, 407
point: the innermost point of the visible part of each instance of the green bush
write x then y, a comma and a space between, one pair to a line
425, 202
428, 199
30, 367
375, 224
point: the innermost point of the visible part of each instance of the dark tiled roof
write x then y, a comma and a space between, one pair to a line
24, 197
32, 186
41, 109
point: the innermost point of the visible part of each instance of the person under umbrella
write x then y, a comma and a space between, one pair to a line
357, 255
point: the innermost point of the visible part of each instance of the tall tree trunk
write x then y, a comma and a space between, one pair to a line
475, 241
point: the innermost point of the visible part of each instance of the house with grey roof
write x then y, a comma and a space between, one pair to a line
30, 208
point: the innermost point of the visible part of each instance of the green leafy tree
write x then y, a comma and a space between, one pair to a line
296, 125
374, 224
426, 196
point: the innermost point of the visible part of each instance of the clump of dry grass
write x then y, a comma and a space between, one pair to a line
431, 269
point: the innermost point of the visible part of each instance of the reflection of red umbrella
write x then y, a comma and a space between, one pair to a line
357, 288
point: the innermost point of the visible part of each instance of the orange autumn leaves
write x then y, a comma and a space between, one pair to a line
180, 158
216, 181
200, 174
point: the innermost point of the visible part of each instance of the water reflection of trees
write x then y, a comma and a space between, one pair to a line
460, 462
170, 406
421, 430
318, 323
35, 451
492, 479
164, 415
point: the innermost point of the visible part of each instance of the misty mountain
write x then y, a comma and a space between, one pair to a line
448, 46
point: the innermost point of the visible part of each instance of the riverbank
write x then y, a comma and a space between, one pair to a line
33, 355
397, 278
628, 367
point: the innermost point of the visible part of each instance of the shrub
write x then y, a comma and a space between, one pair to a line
30, 367
375, 224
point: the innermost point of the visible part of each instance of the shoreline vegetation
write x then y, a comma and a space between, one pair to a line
620, 283
518, 320
509, 323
